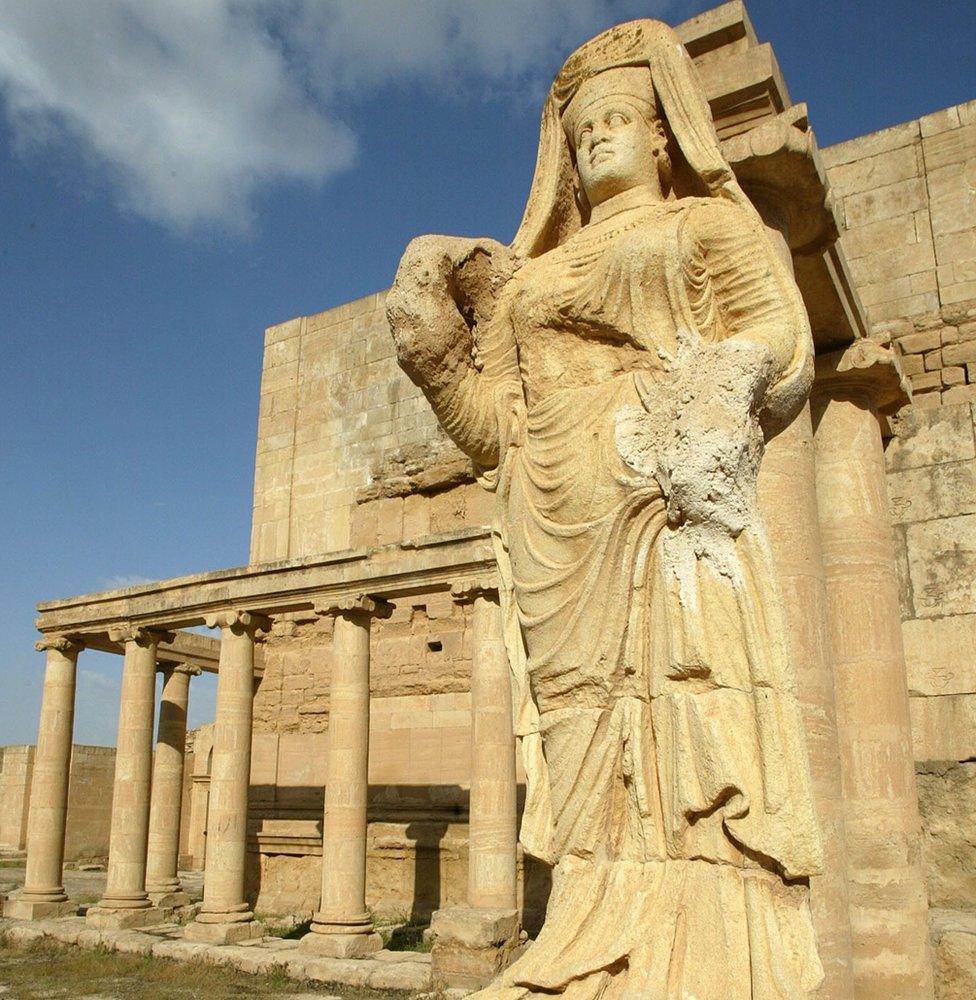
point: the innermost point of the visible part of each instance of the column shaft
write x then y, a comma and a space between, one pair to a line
492, 827
43, 894
126, 884
788, 498
223, 895
343, 927
889, 908
346, 783
162, 862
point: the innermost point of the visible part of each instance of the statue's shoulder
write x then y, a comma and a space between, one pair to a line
717, 220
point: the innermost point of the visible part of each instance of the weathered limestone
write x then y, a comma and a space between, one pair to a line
472, 944
162, 861
342, 927
788, 499
889, 908
225, 917
126, 902
613, 374
43, 894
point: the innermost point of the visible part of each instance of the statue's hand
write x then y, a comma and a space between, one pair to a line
445, 287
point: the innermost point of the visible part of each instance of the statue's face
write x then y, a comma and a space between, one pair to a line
615, 147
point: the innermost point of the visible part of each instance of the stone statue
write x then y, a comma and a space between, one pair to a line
614, 374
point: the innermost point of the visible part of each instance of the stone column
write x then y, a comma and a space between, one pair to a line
225, 917
473, 943
788, 499
43, 894
889, 906
342, 927
162, 861
126, 902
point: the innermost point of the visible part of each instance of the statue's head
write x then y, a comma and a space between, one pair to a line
616, 137
626, 109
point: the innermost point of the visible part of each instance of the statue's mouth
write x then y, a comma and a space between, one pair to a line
600, 154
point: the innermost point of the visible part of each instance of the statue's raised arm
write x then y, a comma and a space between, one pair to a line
450, 337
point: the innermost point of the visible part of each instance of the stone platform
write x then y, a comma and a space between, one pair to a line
391, 970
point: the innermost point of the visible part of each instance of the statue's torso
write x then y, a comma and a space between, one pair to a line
598, 305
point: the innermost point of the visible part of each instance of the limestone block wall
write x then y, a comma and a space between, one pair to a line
907, 196
340, 426
16, 766
89, 803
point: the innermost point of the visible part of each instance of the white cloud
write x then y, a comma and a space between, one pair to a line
191, 106
121, 581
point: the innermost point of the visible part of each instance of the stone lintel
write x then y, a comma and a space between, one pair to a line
863, 369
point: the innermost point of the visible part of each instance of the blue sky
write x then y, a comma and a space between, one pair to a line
176, 176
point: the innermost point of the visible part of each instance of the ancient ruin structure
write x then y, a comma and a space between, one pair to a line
364, 752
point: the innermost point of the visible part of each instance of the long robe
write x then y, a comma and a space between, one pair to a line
667, 774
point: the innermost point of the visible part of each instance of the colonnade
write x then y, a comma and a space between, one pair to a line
143, 883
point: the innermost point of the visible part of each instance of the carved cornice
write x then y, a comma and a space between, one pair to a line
240, 622
140, 635
466, 591
864, 370
778, 165
69, 645
373, 607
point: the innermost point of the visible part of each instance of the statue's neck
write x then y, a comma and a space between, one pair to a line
643, 196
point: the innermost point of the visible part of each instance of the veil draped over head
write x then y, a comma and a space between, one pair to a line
552, 213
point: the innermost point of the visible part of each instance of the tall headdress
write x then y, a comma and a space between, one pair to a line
552, 213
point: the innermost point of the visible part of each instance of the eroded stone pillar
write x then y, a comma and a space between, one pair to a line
43, 894
126, 902
162, 861
342, 927
889, 906
473, 943
226, 917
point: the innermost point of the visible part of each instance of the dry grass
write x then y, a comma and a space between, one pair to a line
53, 972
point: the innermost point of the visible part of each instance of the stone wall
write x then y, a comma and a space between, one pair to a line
89, 800
907, 197
16, 765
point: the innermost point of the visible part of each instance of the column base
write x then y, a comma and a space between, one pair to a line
19, 908
229, 932
346, 939
110, 918
472, 945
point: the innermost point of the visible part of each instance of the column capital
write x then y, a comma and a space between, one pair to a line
362, 604
179, 668
865, 369
68, 644
141, 635
466, 591
239, 621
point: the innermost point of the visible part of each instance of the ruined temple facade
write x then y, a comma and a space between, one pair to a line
370, 548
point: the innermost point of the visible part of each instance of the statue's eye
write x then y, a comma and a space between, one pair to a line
617, 118
584, 132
